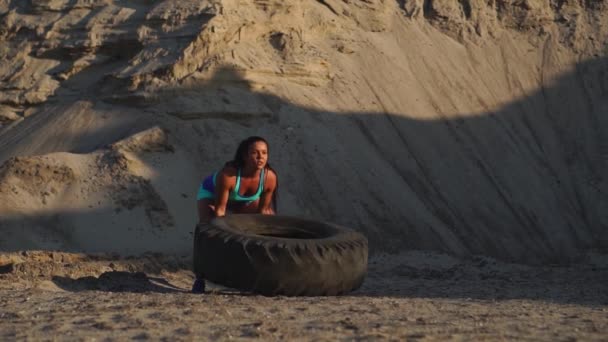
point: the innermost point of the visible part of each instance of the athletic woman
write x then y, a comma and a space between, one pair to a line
246, 184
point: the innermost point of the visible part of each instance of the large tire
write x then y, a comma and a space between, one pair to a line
280, 255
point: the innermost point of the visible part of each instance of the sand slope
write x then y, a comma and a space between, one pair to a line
456, 126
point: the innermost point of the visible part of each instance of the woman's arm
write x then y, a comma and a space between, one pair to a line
226, 181
270, 186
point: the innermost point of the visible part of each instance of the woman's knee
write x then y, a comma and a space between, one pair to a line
206, 210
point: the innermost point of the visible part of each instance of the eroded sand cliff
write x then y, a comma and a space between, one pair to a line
470, 127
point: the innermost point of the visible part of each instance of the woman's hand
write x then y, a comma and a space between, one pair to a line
220, 211
267, 211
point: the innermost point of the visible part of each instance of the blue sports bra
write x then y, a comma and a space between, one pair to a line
207, 189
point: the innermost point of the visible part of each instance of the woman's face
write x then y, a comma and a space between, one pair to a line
257, 156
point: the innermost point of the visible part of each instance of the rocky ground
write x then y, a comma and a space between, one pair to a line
410, 296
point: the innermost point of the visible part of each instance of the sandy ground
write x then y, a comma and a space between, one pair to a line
411, 296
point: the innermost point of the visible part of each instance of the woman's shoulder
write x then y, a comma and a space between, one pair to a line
271, 172
270, 178
228, 170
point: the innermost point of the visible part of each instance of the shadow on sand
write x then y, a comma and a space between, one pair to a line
525, 183
117, 281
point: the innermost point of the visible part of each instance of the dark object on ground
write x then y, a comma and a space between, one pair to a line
280, 255
199, 286
8, 268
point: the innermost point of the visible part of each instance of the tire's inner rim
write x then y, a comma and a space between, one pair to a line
279, 226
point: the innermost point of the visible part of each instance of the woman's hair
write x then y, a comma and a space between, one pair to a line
240, 155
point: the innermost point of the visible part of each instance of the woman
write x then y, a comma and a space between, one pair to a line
247, 184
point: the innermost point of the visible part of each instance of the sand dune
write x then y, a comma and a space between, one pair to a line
455, 126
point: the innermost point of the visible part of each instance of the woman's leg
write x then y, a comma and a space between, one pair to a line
206, 211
